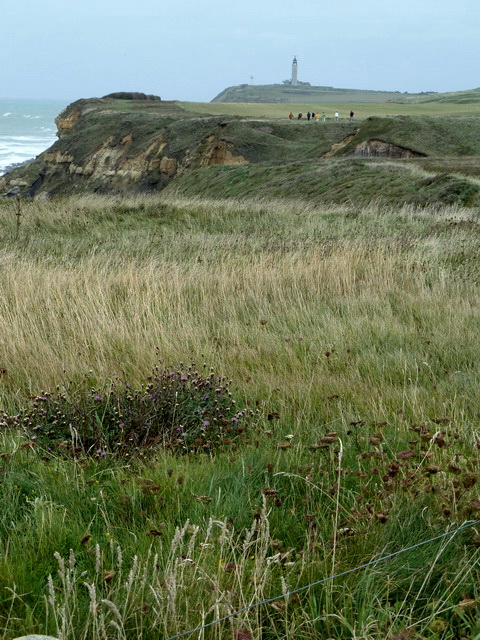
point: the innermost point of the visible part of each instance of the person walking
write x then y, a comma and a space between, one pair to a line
300, 116
351, 115
323, 116
336, 115
290, 115
308, 115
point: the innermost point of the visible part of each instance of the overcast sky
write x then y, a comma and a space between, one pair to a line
193, 49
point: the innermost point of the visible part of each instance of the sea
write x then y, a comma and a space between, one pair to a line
27, 127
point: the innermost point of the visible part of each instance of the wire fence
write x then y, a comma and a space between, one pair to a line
324, 580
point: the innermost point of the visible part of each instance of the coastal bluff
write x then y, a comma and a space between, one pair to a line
117, 145
133, 143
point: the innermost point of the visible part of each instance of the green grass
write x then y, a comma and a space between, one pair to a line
339, 295
350, 182
331, 95
352, 331
362, 111
444, 136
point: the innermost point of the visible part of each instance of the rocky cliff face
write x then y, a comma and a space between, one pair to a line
374, 148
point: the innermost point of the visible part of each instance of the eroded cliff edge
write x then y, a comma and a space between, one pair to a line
111, 145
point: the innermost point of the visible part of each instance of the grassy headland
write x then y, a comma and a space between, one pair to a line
113, 145
352, 333
281, 93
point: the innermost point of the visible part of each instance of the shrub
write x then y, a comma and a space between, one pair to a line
182, 410
131, 95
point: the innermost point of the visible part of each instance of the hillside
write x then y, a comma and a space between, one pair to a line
333, 181
117, 145
457, 97
331, 95
146, 497
240, 387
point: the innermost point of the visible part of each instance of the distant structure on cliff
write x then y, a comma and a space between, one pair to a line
294, 81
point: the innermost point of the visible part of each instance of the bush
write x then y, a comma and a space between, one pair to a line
131, 95
181, 410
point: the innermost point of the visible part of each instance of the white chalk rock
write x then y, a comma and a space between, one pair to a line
36, 637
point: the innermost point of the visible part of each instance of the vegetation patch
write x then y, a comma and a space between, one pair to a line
335, 181
131, 95
180, 410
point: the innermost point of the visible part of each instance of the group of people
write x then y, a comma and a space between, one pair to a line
317, 116
310, 116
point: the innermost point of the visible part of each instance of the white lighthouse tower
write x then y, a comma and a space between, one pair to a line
294, 80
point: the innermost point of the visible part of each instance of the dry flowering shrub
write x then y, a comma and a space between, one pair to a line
182, 410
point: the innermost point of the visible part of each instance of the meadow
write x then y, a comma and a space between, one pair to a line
362, 110
345, 337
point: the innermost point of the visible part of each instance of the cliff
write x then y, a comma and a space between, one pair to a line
116, 145
112, 145
142, 144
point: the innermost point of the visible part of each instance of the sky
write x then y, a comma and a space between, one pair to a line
193, 49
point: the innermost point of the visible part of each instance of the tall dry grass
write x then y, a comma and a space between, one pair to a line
378, 319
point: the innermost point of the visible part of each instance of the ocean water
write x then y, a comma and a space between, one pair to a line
27, 127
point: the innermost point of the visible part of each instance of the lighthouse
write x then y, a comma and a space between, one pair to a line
294, 80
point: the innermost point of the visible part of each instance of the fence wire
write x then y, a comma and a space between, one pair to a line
328, 579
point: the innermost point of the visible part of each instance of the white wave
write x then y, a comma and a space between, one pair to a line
17, 149
6, 159
10, 162
27, 129
25, 150
18, 138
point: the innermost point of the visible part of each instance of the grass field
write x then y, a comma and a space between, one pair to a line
350, 335
362, 111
